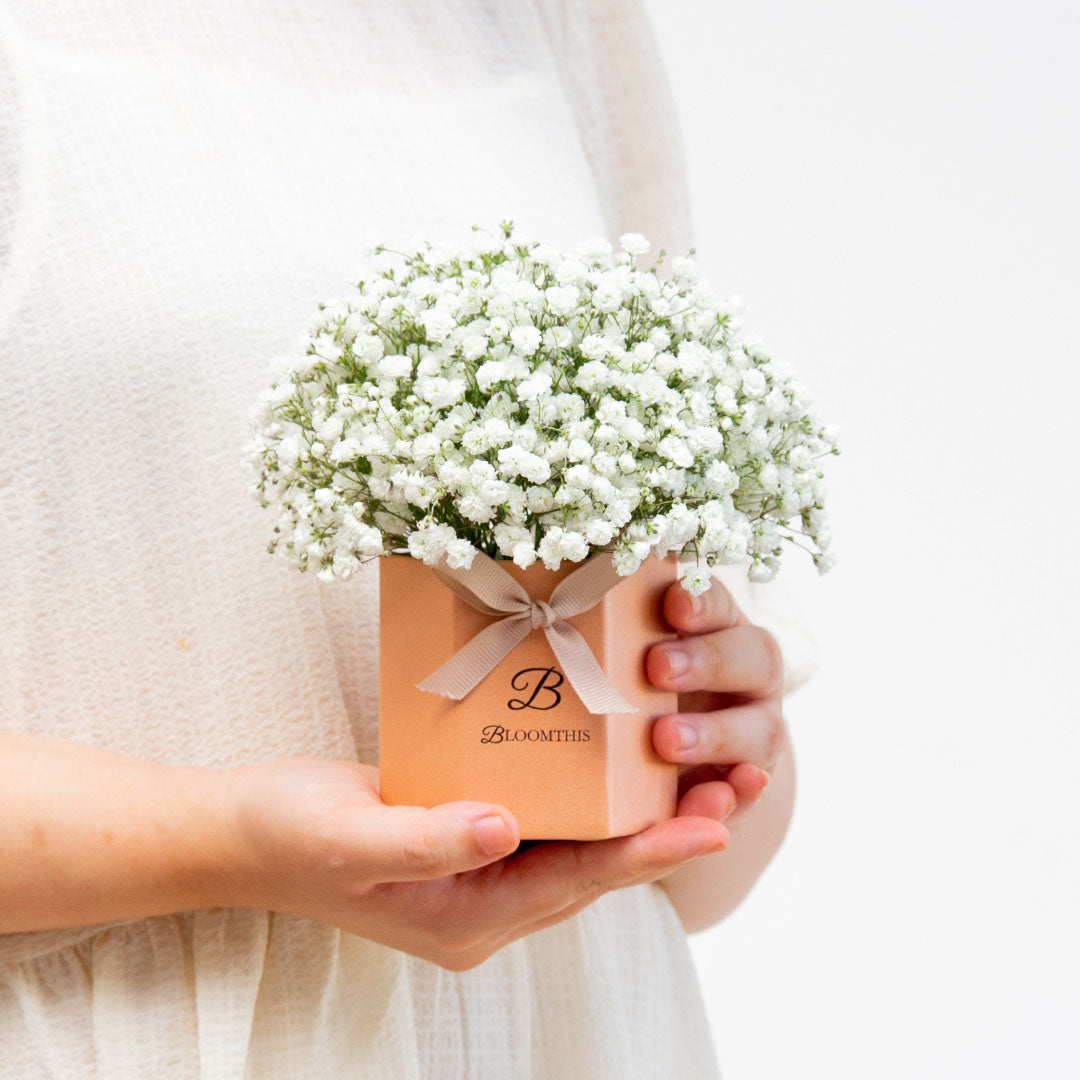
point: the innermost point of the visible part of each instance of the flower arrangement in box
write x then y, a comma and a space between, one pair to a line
493, 416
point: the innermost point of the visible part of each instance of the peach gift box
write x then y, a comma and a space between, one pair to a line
521, 737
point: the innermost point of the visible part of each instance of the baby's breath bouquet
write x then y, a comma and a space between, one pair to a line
506, 397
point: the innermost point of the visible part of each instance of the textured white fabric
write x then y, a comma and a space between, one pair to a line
180, 181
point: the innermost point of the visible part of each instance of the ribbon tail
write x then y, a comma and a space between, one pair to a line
476, 658
583, 672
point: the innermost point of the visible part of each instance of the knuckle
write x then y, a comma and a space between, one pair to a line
589, 885
774, 734
712, 655
331, 843
425, 852
715, 738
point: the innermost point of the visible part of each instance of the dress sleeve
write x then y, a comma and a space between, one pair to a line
9, 176
778, 608
613, 73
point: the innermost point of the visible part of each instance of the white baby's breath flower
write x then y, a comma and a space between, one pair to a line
345, 451
608, 295
697, 580
490, 373
460, 554
525, 339
505, 396
539, 382
753, 383
634, 243
562, 299
524, 554
763, 569
395, 366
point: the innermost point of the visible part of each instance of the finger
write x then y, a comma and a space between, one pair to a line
748, 783
712, 610
742, 659
753, 733
410, 843
716, 799
713, 800
548, 878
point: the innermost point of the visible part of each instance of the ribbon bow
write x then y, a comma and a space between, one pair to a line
487, 587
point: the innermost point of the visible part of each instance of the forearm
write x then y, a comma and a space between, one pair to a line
89, 836
710, 887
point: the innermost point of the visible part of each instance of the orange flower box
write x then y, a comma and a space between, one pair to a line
522, 738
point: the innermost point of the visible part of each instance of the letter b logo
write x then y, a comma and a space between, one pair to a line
541, 685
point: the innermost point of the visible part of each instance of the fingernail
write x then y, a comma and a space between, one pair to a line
767, 778
678, 661
493, 834
697, 605
688, 736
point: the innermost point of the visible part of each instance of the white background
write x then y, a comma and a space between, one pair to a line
893, 189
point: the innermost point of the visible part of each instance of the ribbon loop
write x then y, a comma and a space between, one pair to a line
487, 587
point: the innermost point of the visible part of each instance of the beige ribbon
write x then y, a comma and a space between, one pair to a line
487, 587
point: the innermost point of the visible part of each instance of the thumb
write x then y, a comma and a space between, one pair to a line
410, 843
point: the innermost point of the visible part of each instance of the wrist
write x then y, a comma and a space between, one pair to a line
218, 872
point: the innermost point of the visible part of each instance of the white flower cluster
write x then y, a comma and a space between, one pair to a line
511, 398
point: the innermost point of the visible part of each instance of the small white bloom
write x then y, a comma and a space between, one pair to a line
824, 562
634, 243
769, 477
460, 554
345, 451
697, 580
579, 450
599, 532
394, 366
539, 382
608, 295
524, 554
596, 347
491, 372
676, 451
765, 569
753, 383
525, 339
625, 561
424, 446
437, 323
440, 392
562, 299
592, 374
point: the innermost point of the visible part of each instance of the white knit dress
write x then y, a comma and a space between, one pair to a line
180, 182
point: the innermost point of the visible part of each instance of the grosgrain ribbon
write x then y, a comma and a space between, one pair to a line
487, 587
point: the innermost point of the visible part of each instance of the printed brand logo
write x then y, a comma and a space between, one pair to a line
541, 684
496, 733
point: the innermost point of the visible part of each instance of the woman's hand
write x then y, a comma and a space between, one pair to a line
312, 837
729, 674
